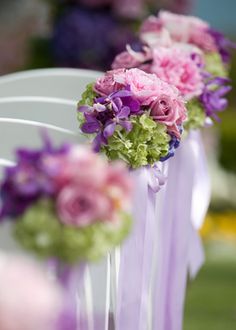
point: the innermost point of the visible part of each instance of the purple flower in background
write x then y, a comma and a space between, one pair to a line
103, 117
223, 44
25, 182
89, 39
213, 94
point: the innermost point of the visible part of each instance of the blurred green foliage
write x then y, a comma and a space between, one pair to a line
40, 54
228, 127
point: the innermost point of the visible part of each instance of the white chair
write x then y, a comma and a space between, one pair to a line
27, 105
61, 83
54, 111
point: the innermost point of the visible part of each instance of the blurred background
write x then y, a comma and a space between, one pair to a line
88, 34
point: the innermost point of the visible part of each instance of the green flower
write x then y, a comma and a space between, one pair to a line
196, 115
39, 230
214, 65
88, 96
147, 142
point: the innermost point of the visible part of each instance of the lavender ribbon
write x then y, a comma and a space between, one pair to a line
71, 279
137, 255
180, 248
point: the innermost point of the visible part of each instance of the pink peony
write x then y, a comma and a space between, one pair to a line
170, 112
106, 84
81, 206
187, 29
27, 299
176, 67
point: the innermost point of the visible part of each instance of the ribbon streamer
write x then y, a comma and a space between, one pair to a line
136, 258
180, 248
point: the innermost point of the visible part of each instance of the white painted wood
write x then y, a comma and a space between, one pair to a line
63, 83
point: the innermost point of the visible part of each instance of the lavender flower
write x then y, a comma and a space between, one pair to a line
25, 183
108, 112
223, 44
213, 94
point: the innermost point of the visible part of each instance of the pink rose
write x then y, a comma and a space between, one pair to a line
78, 165
176, 67
82, 205
170, 112
106, 84
28, 300
187, 29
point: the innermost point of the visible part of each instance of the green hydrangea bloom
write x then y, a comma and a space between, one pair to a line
215, 66
147, 142
39, 230
196, 115
88, 95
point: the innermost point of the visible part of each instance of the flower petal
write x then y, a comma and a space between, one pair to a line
109, 129
90, 127
124, 113
127, 125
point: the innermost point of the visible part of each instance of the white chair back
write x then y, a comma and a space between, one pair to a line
62, 83
46, 99
54, 111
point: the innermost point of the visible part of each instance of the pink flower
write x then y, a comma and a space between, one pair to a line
176, 67
146, 87
131, 59
170, 112
119, 185
82, 205
125, 60
106, 84
27, 299
152, 33
188, 29
78, 165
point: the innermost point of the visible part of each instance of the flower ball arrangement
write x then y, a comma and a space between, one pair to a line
66, 203
187, 53
133, 116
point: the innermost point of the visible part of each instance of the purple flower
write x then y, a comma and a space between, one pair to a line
27, 181
173, 144
108, 112
223, 44
213, 94
88, 38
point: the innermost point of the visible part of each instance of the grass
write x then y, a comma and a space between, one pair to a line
211, 298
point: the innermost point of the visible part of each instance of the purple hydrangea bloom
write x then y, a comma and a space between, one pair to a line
223, 44
213, 94
89, 39
108, 112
